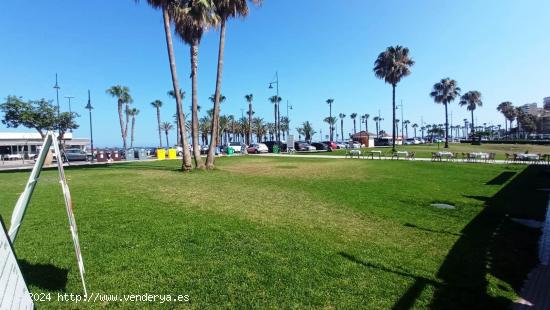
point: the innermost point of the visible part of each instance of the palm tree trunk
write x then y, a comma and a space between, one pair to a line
186, 164
446, 128
215, 118
472, 121
127, 122
377, 131
158, 121
330, 120
167, 142
133, 126
393, 112
342, 129
354, 127
249, 135
120, 118
367, 125
195, 110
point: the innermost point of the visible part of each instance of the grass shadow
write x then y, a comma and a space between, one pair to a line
44, 276
430, 230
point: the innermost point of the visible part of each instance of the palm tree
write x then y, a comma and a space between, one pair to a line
406, 124
157, 104
300, 132
285, 123
366, 116
505, 108
471, 100
191, 22
172, 95
415, 125
342, 116
166, 5
249, 98
392, 65
330, 102
132, 113
224, 10
166, 127
122, 93
445, 92
308, 131
204, 128
330, 121
275, 101
353, 116
259, 128
377, 120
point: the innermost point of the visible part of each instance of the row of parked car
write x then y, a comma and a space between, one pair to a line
300, 146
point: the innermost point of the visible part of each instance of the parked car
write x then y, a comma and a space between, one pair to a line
322, 146
77, 155
341, 145
354, 145
382, 142
412, 141
257, 148
331, 144
303, 146
238, 147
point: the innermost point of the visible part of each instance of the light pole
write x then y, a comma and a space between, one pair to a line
278, 116
89, 108
70, 110
287, 117
56, 87
397, 108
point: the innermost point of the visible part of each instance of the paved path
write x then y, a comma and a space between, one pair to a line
365, 158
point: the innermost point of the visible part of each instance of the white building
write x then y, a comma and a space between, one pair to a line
531, 108
27, 143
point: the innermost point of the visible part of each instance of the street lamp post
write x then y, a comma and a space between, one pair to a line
70, 110
89, 108
287, 117
278, 118
56, 87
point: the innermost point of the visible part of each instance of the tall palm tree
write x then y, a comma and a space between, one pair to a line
172, 95
414, 126
471, 100
342, 116
192, 19
284, 124
249, 98
166, 5
406, 123
392, 65
122, 94
133, 112
505, 108
331, 121
330, 102
157, 104
166, 127
445, 92
377, 120
353, 116
258, 126
275, 101
224, 10
367, 122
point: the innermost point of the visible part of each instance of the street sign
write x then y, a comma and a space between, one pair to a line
14, 293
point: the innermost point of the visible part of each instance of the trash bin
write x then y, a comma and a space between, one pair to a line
230, 151
276, 149
130, 154
161, 154
115, 155
172, 153
142, 154
101, 157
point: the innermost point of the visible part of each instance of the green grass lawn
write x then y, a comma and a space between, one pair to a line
285, 233
425, 150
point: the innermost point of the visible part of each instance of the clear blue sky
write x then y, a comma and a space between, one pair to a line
321, 49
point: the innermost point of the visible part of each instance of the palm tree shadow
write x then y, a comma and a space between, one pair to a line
491, 244
45, 276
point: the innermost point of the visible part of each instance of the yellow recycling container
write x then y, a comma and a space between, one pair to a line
161, 154
172, 154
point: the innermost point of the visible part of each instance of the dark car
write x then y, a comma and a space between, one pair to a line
270, 144
322, 146
331, 144
302, 146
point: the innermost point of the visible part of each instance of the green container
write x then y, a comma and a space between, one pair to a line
276, 149
230, 151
